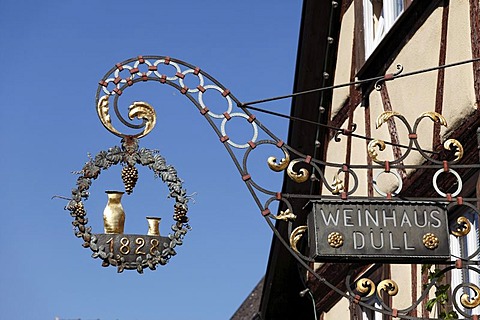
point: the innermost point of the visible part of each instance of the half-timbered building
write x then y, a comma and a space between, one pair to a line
376, 60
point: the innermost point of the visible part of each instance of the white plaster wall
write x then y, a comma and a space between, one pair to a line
459, 94
342, 71
336, 153
401, 274
413, 95
340, 311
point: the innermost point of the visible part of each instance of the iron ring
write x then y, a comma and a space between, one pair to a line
210, 113
200, 78
399, 179
173, 64
233, 144
455, 173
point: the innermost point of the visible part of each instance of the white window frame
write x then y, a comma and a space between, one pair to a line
373, 34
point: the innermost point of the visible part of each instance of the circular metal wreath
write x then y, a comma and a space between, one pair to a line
129, 154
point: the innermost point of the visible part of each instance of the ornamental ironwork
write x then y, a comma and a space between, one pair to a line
147, 251
114, 247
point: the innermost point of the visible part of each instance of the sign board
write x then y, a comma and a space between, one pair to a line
383, 231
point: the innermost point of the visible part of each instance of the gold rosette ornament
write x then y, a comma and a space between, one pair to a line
430, 241
335, 239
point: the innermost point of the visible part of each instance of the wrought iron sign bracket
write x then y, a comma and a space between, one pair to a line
342, 226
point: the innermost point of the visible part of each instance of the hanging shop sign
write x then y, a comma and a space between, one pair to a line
115, 247
384, 231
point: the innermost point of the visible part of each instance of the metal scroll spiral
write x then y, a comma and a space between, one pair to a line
380, 82
386, 116
376, 145
366, 288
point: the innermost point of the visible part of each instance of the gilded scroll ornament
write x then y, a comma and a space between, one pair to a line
296, 236
389, 286
139, 110
272, 163
103, 113
468, 302
436, 117
366, 287
300, 177
430, 241
462, 228
337, 185
144, 111
335, 239
285, 215
457, 145
384, 117
371, 149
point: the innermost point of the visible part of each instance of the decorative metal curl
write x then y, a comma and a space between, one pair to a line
384, 117
468, 302
457, 145
114, 83
462, 228
380, 82
389, 286
345, 132
286, 215
144, 111
296, 235
140, 110
300, 177
282, 165
381, 119
366, 287
372, 152
337, 185
435, 116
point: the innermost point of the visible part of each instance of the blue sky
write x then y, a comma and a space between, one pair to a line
54, 53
